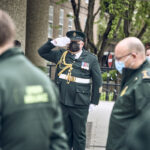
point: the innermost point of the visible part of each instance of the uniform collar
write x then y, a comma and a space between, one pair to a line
77, 55
11, 52
129, 73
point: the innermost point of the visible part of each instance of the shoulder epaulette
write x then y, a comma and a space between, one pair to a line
145, 74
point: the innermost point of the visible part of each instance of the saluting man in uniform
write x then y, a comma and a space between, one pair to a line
79, 80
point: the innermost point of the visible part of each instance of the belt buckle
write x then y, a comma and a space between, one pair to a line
73, 79
70, 78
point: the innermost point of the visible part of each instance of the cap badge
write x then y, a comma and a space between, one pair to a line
74, 34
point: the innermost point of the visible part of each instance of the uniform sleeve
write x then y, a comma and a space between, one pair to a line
96, 82
142, 96
137, 136
47, 53
0, 117
58, 137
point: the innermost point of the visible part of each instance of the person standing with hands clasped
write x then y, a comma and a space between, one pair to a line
131, 62
79, 80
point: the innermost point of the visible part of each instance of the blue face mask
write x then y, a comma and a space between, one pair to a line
119, 65
148, 58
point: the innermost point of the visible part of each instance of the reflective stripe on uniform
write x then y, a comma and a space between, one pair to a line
75, 79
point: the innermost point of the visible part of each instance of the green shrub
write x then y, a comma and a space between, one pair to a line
110, 96
111, 74
104, 76
103, 96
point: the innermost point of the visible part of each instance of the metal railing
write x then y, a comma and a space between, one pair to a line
111, 86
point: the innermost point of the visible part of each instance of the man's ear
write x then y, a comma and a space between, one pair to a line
134, 55
82, 43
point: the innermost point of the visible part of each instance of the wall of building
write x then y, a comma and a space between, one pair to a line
67, 9
31, 19
37, 29
17, 10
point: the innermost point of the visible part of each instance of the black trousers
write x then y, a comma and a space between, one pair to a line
75, 120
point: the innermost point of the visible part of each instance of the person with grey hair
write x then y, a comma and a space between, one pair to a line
30, 115
131, 62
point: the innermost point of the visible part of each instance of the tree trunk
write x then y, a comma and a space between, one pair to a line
105, 38
76, 10
126, 24
142, 31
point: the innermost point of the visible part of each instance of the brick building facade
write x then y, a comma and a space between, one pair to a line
38, 20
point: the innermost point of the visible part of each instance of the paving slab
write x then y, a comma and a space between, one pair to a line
97, 126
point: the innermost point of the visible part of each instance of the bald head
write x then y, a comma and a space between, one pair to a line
7, 31
133, 48
132, 44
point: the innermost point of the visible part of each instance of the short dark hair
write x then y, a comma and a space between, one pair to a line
7, 28
17, 43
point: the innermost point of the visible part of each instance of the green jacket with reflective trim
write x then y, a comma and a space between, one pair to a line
30, 118
133, 98
76, 94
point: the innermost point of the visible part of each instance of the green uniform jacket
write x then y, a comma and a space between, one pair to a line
138, 135
76, 94
134, 96
30, 118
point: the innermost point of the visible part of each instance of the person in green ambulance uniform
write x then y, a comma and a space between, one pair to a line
137, 137
131, 62
30, 117
78, 77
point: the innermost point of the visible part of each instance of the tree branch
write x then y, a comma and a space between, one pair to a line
78, 8
126, 24
92, 45
118, 25
97, 12
76, 11
105, 37
142, 31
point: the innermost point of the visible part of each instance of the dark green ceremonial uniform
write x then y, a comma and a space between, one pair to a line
133, 99
30, 118
137, 137
75, 95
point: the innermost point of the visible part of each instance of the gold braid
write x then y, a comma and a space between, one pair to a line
67, 66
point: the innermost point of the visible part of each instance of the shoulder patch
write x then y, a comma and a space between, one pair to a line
145, 74
124, 91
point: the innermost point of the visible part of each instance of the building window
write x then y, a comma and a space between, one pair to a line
61, 22
70, 21
50, 22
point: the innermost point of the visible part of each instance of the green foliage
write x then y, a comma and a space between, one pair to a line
110, 96
61, 1
103, 96
112, 75
129, 18
138, 12
70, 16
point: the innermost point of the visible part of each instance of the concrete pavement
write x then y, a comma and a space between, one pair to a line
97, 126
